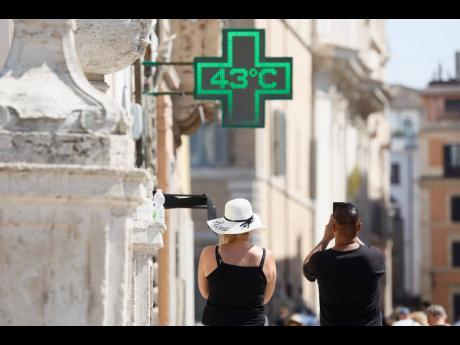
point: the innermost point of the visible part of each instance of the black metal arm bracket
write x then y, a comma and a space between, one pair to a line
190, 201
170, 63
163, 93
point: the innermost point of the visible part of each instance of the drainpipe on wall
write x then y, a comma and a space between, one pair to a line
163, 183
165, 139
6, 31
163, 257
409, 272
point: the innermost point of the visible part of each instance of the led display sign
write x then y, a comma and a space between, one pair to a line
243, 78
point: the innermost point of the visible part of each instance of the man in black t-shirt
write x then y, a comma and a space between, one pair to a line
348, 274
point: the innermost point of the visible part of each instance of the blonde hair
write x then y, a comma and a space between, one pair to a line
226, 239
420, 317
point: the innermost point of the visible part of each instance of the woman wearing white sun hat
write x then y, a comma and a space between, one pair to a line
236, 277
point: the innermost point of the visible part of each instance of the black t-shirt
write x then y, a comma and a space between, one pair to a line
348, 285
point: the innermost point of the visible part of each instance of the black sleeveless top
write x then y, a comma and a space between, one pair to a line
236, 295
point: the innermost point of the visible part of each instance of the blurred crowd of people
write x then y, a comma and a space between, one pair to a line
301, 316
429, 315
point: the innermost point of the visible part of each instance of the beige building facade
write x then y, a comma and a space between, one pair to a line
406, 115
359, 127
329, 143
440, 194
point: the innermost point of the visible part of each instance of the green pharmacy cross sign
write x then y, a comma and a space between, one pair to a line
243, 78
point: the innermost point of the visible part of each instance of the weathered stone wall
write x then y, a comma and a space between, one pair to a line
68, 189
65, 238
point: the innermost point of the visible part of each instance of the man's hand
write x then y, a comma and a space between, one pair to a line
322, 245
328, 234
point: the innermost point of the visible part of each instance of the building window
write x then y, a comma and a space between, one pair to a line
456, 254
209, 146
455, 208
395, 173
452, 106
456, 307
408, 128
452, 160
278, 143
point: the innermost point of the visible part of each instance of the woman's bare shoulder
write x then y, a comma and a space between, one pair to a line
267, 251
256, 251
208, 250
269, 257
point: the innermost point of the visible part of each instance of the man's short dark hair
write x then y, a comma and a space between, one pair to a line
346, 215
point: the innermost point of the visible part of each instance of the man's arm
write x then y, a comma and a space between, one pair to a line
322, 245
309, 271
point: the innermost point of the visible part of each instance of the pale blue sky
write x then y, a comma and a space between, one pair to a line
416, 48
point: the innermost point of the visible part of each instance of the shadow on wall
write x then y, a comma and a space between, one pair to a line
400, 295
379, 223
398, 259
357, 193
373, 211
289, 290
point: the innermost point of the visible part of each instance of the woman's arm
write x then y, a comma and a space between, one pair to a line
202, 280
270, 274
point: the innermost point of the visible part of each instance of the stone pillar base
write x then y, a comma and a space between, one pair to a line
147, 240
65, 236
67, 148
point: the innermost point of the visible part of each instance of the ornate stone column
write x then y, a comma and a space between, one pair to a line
194, 38
68, 189
147, 239
106, 46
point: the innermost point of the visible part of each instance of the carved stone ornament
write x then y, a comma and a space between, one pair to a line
194, 38
106, 46
43, 89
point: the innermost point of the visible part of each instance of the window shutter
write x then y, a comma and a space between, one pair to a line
457, 307
447, 165
455, 208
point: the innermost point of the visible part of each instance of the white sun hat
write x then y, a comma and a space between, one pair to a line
238, 219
